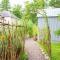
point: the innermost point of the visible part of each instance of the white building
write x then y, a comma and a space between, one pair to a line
9, 17
53, 21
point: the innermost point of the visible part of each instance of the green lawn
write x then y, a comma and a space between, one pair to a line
55, 48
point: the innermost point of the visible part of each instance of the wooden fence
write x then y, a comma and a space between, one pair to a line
11, 40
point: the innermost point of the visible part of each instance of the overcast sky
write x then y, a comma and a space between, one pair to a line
20, 2
15, 2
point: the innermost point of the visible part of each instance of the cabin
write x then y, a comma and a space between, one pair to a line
8, 17
53, 22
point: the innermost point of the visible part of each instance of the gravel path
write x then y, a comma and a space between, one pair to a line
33, 50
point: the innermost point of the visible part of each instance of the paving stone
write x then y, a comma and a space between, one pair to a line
34, 52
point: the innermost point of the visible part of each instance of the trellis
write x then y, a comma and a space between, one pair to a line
11, 40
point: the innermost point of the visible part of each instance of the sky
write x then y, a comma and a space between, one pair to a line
20, 2
15, 2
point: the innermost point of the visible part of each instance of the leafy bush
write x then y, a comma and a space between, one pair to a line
35, 30
57, 32
23, 56
13, 39
32, 29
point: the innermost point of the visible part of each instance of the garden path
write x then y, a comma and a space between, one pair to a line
34, 52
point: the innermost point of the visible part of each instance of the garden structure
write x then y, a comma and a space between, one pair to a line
11, 40
51, 21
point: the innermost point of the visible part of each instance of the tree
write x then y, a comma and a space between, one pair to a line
29, 15
17, 11
55, 3
5, 5
32, 8
40, 5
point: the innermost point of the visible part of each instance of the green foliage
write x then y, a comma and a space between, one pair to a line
23, 56
31, 9
55, 3
44, 42
57, 32
32, 28
29, 26
45, 30
38, 4
28, 14
35, 30
55, 51
17, 11
58, 17
5, 5
44, 46
31, 14
17, 39
44, 33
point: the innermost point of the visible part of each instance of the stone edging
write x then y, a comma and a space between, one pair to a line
43, 52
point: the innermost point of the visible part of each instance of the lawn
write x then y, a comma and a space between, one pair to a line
55, 48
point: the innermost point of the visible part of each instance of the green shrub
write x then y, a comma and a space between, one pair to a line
57, 32
23, 56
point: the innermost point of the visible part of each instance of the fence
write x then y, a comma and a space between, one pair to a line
11, 40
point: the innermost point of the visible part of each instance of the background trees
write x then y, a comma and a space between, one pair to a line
30, 13
17, 11
5, 5
32, 8
55, 3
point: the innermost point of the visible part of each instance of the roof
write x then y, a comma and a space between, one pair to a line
8, 14
50, 12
